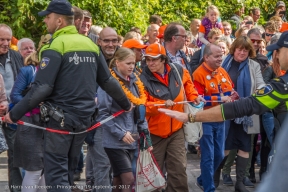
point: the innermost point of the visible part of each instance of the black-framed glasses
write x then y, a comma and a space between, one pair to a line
114, 41
184, 36
268, 34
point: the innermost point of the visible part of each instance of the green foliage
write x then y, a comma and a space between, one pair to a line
22, 16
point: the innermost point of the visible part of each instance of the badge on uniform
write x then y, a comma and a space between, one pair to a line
265, 90
208, 77
44, 62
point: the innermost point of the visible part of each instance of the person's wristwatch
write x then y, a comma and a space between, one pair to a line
191, 118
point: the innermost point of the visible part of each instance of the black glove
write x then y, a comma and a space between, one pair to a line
145, 139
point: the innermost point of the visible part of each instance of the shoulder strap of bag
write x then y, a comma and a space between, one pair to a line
179, 79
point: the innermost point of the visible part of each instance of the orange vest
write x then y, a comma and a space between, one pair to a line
212, 84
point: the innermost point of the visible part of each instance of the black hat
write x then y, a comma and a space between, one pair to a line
282, 42
61, 7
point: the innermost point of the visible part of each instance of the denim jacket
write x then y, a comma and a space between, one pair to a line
115, 129
25, 76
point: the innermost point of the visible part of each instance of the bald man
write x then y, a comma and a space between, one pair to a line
152, 33
108, 42
194, 28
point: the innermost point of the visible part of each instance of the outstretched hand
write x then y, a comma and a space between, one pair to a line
183, 117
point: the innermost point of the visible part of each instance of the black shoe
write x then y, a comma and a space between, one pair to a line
200, 186
240, 187
89, 185
252, 175
227, 179
77, 176
247, 182
192, 149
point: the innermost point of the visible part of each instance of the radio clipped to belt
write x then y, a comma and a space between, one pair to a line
47, 110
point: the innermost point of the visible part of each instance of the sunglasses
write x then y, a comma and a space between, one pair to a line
256, 40
268, 34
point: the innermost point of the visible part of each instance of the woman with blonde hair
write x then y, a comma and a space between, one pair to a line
120, 135
28, 146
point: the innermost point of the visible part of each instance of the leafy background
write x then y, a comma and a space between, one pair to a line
22, 16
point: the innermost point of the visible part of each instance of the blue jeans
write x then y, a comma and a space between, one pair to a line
268, 124
212, 153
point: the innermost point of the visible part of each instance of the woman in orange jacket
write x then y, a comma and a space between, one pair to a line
163, 85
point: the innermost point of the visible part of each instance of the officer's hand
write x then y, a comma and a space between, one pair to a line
226, 99
128, 138
7, 118
169, 103
183, 117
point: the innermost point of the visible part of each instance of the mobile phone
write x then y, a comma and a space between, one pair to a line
282, 12
248, 22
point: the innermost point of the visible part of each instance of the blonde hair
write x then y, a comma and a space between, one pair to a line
275, 18
212, 8
32, 59
214, 31
223, 40
120, 55
271, 26
131, 35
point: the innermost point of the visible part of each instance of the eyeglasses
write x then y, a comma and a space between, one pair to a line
256, 40
268, 34
114, 41
184, 36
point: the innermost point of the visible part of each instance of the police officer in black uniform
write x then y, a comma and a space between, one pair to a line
66, 82
271, 96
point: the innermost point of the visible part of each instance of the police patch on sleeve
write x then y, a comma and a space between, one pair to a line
264, 91
44, 62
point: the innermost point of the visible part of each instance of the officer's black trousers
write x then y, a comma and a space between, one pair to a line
61, 153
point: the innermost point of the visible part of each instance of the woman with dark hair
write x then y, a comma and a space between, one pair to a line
247, 78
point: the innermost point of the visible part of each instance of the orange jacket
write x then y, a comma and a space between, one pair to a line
158, 90
212, 87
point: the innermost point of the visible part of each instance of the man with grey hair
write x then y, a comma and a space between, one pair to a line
206, 81
25, 46
256, 37
10, 63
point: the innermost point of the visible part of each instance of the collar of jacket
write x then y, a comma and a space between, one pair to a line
132, 77
149, 75
70, 29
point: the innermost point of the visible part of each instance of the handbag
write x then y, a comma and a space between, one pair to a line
148, 175
192, 131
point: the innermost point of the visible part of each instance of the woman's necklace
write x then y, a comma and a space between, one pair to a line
137, 101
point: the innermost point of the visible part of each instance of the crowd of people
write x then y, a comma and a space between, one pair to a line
81, 74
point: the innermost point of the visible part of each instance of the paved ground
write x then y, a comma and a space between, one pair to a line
193, 171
